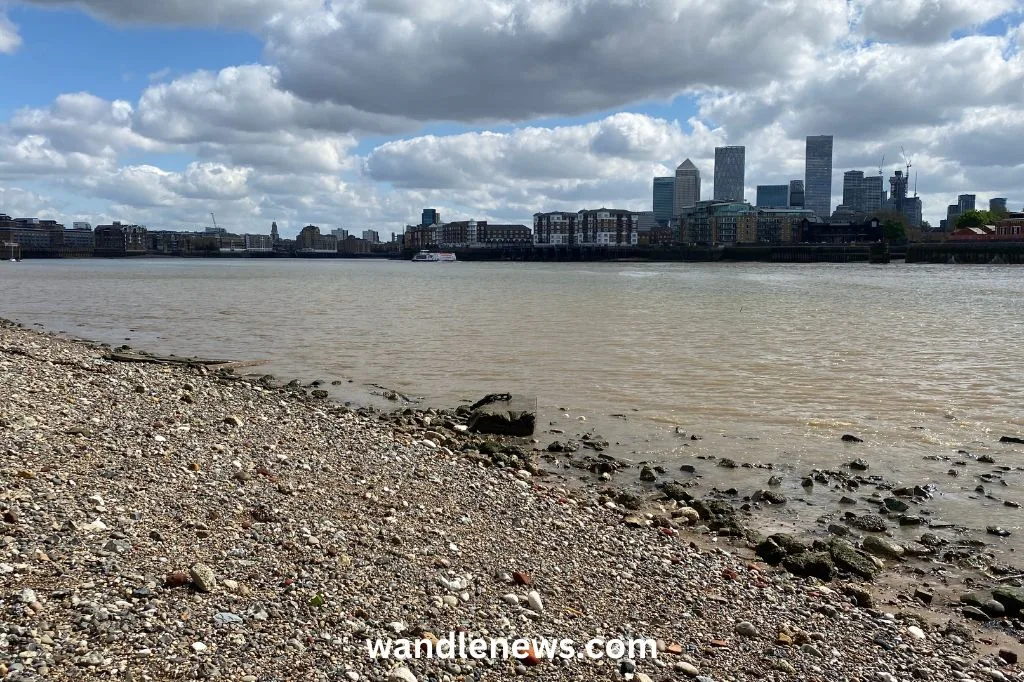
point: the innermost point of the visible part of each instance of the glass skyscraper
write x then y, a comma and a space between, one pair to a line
730, 164
796, 193
818, 175
664, 197
687, 187
772, 196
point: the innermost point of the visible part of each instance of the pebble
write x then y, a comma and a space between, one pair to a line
401, 674
746, 629
203, 577
687, 668
916, 632
534, 600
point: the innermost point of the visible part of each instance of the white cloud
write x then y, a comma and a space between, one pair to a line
228, 13
10, 41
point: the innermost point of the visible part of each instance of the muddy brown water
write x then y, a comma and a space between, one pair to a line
767, 363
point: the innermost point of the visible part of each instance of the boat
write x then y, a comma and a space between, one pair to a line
432, 257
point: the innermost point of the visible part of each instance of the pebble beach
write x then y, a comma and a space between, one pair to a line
173, 522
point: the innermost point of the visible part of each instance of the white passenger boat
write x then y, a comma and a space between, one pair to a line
432, 257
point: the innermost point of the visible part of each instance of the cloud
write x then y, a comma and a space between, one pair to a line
10, 41
465, 60
16, 201
248, 14
925, 21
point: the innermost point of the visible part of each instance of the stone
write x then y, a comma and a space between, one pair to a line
993, 608
850, 438
895, 505
177, 579
872, 523
924, 595
27, 596
203, 577
746, 629
515, 416
534, 600
233, 420
1012, 439
647, 475
811, 565
916, 632
676, 491
974, 613
690, 670
863, 597
1012, 598
227, 618
1009, 656
401, 674
691, 515
997, 531
847, 558
882, 546
769, 496
859, 465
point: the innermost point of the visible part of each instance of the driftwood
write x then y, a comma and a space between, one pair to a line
121, 356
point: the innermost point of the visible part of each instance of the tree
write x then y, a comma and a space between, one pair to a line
975, 219
894, 225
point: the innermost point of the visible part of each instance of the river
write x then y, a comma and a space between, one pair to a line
766, 363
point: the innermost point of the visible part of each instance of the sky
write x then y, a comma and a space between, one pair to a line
359, 113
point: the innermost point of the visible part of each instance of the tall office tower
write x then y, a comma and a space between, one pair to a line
730, 165
853, 190
430, 217
772, 196
997, 205
818, 175
966, 202
796, 193
664, 198
274, 236
687, 187
874, 195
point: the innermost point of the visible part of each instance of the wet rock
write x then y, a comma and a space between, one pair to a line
775, 481
811, 564
859, 465
924, 595
848, 559
688, 469
847, 500
862, 596
997, 531
850, 438
1012, 439
676, 491
515, 416
894, 505
769, 496
807, 482
986, 459
727, 463
629, 500
882, 546
556, 446
647, 475
871, 523
1010, 597
771, 552
931, 540
908, 520
974, 613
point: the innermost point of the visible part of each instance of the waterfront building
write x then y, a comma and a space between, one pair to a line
79, 242
781, 225
796, 194
818, 175
258, 243
997, 205
772, 196
966, 202
77, 225
499, 234
429, 217
418, 237
664, 198
856, 232
352, 245
718, 222
117, 239
730, 165
608, 227
371, 236
310, 241
557, 228
340, 233
687, 187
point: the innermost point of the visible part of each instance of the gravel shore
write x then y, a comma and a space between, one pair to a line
175, 523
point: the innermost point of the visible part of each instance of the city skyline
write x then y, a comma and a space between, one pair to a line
238, 108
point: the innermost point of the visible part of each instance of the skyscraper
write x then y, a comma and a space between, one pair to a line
796, 193
997, 205
730, 165
873, 193
687, 187
966, 202
274, 236
818, 175
664, 198
430, 217
772, 196
854, 190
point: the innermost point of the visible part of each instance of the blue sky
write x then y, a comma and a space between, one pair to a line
359, 114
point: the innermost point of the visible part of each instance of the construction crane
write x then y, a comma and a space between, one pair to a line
915, 183
881, 165
214, 220
907, 159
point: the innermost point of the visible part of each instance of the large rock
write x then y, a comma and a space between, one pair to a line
516, 416
882, 546
1010, 597
811, 564
847, 558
